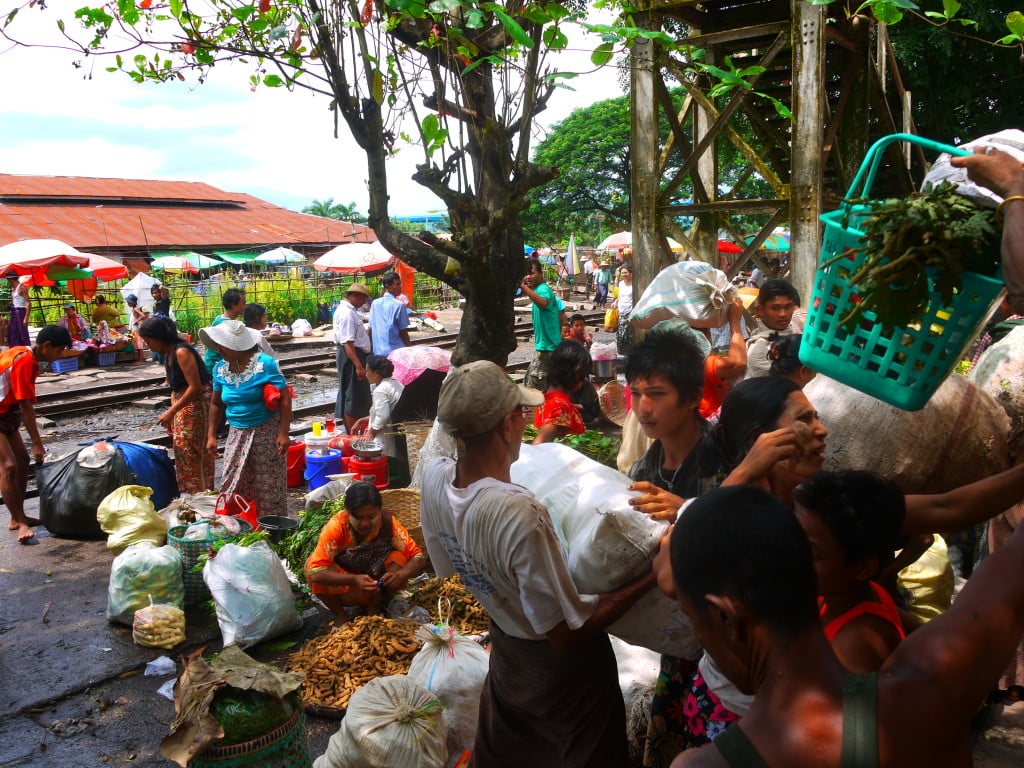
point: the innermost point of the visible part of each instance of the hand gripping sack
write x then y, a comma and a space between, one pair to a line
142, 573
71, 489
129, 517
692, 290
391, 722
453, 668
251, 594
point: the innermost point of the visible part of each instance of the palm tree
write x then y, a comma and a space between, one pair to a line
329, 209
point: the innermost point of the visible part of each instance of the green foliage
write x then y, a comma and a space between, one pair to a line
592, 444
329, 209
297, 547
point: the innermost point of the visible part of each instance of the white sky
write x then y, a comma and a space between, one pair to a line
58, 121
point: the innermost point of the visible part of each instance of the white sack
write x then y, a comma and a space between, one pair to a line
453, 668
391, 722
608, 543
692, 290
960, 435
251, 594
1000, 373
141, 573
1010, 140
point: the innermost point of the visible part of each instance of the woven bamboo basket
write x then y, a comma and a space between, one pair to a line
404, 504
415, 435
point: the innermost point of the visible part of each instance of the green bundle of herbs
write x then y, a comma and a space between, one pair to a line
912, 244
297, 547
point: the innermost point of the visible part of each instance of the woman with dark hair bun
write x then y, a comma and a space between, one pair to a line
784, 353
384, 394
187, 419
363, 555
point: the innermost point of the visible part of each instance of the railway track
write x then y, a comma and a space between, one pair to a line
58, 406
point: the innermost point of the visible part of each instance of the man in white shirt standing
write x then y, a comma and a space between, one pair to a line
551, 698
389, 318
353, 346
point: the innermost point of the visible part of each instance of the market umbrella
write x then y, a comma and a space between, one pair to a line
776, 242
572, 257
725, 246
184, 262
620, 241
34, 257
355, 259
280, 255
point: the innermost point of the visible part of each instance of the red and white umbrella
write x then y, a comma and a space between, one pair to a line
621, 241
356, 259
35, 257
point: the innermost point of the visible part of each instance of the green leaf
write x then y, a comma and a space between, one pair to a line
1010, 40
1015, 23
537, 15
176, 6
243, 12
474, 18
444, 6
556, 11
602, 54
273, 81
555, 39
278, 32
512, 27
433, 134
951, 7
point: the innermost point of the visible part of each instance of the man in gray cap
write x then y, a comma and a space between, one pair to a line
552, 696
353, 342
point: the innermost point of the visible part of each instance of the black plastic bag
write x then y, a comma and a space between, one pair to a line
69, 493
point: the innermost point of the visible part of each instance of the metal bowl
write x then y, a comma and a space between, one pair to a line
367, 450
606, 369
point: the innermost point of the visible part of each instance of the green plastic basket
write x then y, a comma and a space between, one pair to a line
902, 365
283, 747
196, 590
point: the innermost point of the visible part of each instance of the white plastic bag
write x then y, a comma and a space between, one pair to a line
302, 327
453, 668
1010, 140
140, 571
391, 722
600, 351
692, 290
608, 543
251, 594
128, 517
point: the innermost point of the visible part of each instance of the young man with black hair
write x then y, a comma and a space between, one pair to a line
19, 367
777, 303
741, 568
547, 323
389, 319
233, 301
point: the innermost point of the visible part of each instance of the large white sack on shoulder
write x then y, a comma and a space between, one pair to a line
692, 290
391, 722
453, 668
607, 541
1000, 372
960, 435
1011, 140
251, 594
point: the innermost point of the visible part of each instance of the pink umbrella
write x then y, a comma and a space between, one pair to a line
355, 259
410, 362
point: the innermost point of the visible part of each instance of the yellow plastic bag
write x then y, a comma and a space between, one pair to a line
611, 319
928, 583
129, 517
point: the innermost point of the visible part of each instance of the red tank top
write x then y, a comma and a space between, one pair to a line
884, 609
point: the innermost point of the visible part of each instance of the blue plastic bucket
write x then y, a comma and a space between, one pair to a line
318, 467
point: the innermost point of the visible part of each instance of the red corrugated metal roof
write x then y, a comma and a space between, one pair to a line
126, 215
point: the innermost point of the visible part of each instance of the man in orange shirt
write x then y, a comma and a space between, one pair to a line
18, 370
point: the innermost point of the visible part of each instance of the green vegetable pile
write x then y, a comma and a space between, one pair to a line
930, 237
297, 547
248, 714
592, 444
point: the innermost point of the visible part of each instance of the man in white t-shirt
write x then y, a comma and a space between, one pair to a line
552, 696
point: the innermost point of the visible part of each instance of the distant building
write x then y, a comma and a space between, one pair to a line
128, 219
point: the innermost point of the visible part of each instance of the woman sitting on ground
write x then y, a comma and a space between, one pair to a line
559, 416
363, 556
255, 464
187, 419
75, 324
384, 393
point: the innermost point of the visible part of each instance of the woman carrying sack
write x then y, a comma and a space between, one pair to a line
255, 457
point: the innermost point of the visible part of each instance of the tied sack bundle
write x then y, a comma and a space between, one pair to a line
1000, 373
72, 487
608, 543
391, 722
129, 517
141, 575
692, 290
958, 437
452, 667
251, 594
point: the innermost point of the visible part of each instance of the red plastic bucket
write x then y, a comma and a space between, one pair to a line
365, 470
296, 463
